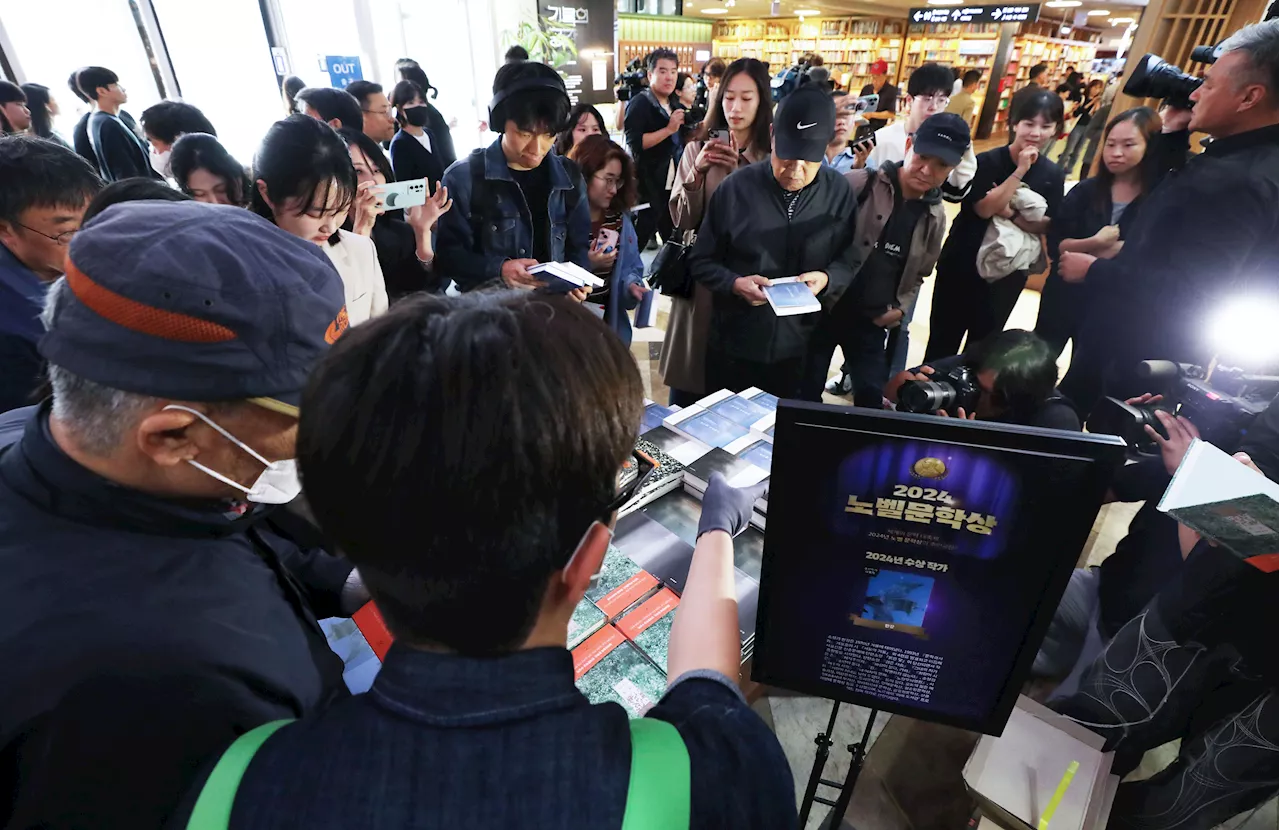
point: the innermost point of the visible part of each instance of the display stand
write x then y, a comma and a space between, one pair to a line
858, 752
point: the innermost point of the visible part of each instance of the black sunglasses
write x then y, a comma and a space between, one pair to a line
644, 466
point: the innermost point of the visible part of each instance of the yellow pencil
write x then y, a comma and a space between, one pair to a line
1047, 815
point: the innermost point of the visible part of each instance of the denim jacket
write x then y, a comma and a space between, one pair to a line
511, 237
628, 270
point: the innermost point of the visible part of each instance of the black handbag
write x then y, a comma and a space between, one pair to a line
669, 272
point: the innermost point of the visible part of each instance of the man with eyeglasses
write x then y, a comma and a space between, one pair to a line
928, 93
376, 109
46, 190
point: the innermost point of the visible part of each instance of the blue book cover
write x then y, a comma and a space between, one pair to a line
740, 410
760, 454
653, 415
712, 429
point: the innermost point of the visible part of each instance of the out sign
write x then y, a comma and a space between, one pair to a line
343, 70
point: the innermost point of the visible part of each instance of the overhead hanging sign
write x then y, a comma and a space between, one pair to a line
977, 14
342, 70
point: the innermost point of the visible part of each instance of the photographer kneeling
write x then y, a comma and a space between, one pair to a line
1010, 377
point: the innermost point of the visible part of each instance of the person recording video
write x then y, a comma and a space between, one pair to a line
1009, 377
1207, 235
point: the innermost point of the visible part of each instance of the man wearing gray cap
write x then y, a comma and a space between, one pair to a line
786, 217
153, 607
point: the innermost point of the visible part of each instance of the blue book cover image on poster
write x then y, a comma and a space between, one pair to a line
896, 601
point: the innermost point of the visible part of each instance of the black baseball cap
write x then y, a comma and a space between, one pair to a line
943, 135
195, 302
804, 124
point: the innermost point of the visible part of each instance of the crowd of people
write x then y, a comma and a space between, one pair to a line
185, 341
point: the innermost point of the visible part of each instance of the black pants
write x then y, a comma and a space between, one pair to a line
1063, 306
781, 378
681, 398
657, 217
868, 352
964, 302
1146, 689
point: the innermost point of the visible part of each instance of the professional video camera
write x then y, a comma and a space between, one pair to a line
1221, 410
1153, 78
632, 80
955, 390
789, 80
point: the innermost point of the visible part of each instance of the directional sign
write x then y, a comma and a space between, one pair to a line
977, 14
342, 70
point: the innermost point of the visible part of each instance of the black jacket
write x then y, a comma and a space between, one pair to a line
140, 636
119, 152
439, 129
397, 247
645, 115
745, 231
1205, 236
410, 160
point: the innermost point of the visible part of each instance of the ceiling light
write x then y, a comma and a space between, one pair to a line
1097, 12
1063, 4
946, 2
808, 12
715, 11
1115, 21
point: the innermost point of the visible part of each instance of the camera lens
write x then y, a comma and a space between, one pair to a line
926, 396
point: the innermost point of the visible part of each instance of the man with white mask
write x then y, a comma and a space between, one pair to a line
154, 605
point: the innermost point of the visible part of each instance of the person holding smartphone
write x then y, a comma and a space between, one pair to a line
841, 155
615, 250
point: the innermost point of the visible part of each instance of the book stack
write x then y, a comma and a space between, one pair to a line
563, 277
1225, 501
745, 461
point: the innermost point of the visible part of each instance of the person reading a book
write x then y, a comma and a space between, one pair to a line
1197, 663
615, 253
516, 204
899, 227
787, 217
478, 540
1016, 377
155, 606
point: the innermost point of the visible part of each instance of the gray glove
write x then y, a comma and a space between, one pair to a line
728, 508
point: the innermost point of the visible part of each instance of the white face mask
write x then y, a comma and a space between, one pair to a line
278, 484
160, 162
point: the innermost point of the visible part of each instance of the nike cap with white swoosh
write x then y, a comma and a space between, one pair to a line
804, 124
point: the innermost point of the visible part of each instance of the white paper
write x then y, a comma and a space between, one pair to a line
1208, 475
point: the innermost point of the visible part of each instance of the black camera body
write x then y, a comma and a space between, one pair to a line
957, 389
631, 81
1154, 78
1221, 410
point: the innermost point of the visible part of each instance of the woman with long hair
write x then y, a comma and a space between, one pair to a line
615, 251
404, 244
742, 109
304, 182
965, 303
415, 149
43, 109
584, 120
206, 172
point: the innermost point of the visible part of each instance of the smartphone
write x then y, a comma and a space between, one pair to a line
864, 142
406, 194
607, 239
719, 135
866, 103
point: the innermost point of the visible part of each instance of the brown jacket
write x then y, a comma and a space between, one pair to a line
874, 208
684, 347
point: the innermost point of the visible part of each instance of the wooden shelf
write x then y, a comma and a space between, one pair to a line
848, 45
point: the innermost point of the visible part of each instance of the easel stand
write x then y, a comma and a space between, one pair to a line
845, 791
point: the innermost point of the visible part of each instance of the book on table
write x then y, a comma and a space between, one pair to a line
606, 667
1225, 501
706, 426
563, 277
737, 408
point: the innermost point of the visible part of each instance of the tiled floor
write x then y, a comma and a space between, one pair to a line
797, 720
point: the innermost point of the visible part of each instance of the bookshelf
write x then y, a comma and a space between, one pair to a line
847, 45
1040, 43
640, 34
970, 46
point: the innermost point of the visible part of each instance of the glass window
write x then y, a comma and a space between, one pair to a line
53, 39
223, 65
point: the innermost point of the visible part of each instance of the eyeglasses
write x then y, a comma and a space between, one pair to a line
63, 238
643, 466
938, 101
609, 181
386, 111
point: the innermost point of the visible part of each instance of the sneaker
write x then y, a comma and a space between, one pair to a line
841, 384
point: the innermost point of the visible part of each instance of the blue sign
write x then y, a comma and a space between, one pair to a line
342, 70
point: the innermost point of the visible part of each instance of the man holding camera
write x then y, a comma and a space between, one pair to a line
1205, 236
652, 127
899, 228
1008, 377
786, 217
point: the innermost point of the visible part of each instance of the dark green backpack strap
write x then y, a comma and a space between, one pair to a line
213, 807
659, 793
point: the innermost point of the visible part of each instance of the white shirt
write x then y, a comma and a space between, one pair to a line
356, 259
424, 140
